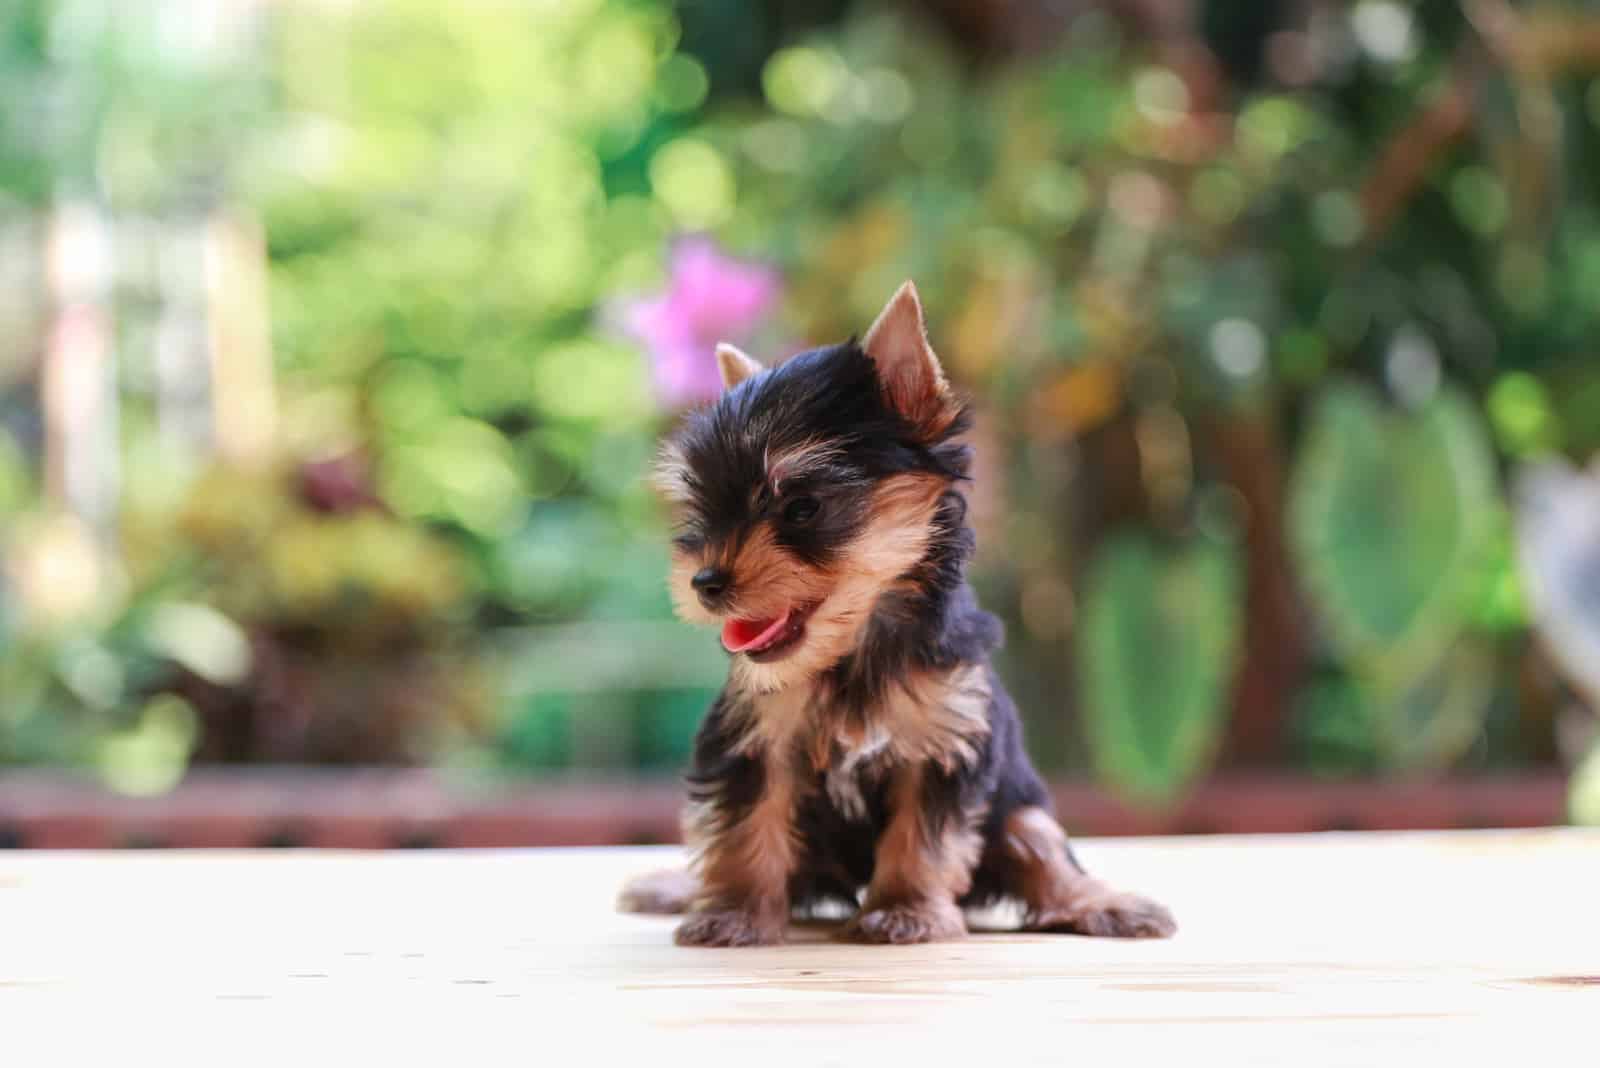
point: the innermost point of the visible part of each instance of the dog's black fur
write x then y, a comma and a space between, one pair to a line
833, 393
836, 406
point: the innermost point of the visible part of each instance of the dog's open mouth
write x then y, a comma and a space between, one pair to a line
767, 639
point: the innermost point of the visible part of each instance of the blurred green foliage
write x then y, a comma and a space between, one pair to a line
1261, 307
1154, 720
1390, 522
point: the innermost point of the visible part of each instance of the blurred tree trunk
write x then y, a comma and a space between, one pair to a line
1274, 644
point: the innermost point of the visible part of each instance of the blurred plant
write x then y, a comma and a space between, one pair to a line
458, 202
447, 200
151, 104
269, 548
313, 626
1198, 262
1161, 254
265, 619
1389, 518
1157, 645
80, 671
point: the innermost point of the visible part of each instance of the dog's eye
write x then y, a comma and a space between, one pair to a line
801, 510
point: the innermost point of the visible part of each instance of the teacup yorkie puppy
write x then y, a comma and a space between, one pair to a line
862, 753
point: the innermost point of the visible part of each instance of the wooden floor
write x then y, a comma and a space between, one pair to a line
1336, 949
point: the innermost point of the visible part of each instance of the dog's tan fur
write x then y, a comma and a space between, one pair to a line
1059, 896
743, 870
919, 873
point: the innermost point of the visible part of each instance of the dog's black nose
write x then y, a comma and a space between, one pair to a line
711, 583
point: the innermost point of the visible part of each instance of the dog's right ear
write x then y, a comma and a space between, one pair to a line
734, 365
913, 382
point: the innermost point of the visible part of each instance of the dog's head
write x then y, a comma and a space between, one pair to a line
811, 490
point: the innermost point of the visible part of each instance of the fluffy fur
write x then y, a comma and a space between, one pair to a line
872, 759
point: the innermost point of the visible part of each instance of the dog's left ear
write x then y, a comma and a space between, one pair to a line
913, 382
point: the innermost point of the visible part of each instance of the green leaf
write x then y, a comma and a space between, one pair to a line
1357, 724
1160, 633
1389, 514
151, 756
1437, 718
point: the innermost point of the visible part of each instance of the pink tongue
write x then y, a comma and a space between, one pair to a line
741, 634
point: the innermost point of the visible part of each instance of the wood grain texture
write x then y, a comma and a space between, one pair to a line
1319, 950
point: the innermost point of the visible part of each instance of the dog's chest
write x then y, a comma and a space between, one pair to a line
938, 719
854, 770
848, 756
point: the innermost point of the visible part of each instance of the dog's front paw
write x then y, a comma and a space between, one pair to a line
904, 924
1107, 914
729, 927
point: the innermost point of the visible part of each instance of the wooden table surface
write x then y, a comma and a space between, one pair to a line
1329, 949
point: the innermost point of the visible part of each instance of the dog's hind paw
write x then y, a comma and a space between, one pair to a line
1109, 914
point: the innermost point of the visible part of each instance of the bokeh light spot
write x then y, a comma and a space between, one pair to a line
1056, 195
1239, 347
1336, 214
1520, 411
1479, 199
886, 95
804, 81
1217, 196
1385, 30
1160, 95
682, 83
694, 182
1412, 367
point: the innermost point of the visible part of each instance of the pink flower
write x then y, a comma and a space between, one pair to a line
709, 298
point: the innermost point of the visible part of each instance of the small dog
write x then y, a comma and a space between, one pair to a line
862, 741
